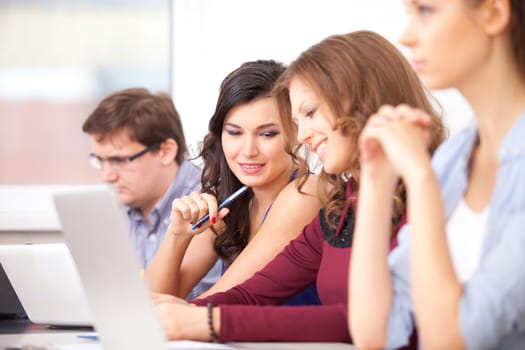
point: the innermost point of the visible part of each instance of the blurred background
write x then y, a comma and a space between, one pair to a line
59, 58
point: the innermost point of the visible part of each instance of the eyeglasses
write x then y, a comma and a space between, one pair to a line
118, 163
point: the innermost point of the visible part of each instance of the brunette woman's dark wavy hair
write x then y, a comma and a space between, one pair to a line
249, 82
355, 74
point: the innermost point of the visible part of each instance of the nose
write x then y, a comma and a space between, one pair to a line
304, 132
249, 146
109, 174
408, 37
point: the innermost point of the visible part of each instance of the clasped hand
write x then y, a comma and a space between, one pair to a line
394, 143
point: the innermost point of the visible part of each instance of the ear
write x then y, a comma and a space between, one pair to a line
496, 15
168, 151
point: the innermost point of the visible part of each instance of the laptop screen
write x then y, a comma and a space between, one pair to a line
97, 235
10, 306
47, 284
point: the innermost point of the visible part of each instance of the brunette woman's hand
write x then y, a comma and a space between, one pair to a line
185, 211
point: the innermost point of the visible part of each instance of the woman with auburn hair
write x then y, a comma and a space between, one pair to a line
325, 97
458, 273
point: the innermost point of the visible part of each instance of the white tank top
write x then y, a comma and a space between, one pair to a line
466, 230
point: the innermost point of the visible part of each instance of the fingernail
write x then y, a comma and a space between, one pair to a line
213, 219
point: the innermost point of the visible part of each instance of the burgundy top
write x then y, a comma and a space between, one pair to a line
250, 311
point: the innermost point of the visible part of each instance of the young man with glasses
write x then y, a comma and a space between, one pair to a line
139, 146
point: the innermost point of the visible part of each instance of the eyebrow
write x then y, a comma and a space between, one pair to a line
263, 126
120, 154
110, 157
308, 103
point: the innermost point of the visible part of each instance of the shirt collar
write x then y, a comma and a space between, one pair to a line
188, 176
513, 144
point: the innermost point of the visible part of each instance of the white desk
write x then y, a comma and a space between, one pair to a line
17, 333
70, 337
28, 215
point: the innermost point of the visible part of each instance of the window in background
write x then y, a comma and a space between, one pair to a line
59, 58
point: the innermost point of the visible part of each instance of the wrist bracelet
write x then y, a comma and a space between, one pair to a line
213, 335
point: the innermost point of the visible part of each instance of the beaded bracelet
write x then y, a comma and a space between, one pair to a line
213, 335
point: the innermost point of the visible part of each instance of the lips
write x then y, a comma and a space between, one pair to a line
418, 65
251, 168
320, 148
118, 189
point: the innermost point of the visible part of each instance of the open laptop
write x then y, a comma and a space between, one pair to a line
10, 307
97, 234
47, 284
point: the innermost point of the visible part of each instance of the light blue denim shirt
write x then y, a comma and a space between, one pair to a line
148, 236
492, 308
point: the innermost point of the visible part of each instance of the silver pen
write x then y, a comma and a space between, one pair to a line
225, 203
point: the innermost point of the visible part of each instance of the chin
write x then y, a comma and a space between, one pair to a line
330, 169
254, 182
434, 83
124, 200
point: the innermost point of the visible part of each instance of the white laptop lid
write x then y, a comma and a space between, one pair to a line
46, 283
97, 235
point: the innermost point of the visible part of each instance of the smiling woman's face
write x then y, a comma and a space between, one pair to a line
254, 145
315, 122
